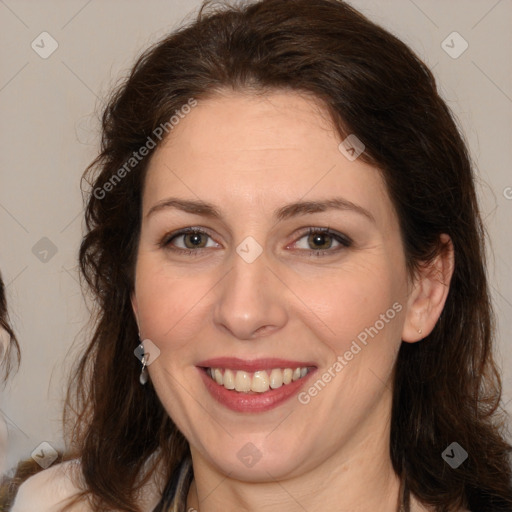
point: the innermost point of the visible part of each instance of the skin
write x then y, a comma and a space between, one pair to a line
249, 155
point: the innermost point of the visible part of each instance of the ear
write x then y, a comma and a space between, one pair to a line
430, 289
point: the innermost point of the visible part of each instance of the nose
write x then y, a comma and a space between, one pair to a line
251, 300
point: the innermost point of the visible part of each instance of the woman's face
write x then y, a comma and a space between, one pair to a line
255, 295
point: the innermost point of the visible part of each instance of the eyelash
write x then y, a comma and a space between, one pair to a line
344, 240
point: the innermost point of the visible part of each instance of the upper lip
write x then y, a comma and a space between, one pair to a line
235, 363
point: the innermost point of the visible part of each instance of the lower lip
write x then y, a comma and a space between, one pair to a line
257, 402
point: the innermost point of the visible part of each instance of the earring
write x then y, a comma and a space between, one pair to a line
419, 331
144, 375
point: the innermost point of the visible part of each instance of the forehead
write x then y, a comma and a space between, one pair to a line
265, 149
252, 128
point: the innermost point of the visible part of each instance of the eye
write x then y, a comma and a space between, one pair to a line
317, 241
188, 240
320, 241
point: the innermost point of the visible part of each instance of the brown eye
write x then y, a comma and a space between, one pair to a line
188, 240
194, 240
320, 241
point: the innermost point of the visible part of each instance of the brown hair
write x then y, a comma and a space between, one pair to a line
13, 349
447, 387
7, 486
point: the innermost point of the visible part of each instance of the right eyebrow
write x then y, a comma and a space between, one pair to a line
189, 206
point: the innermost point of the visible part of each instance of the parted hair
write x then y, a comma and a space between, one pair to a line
446, 388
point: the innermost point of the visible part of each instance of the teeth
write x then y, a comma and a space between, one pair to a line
243, 381
257, 382
276, 378
260, 382
229, 379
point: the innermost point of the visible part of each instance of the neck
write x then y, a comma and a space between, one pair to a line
361, 479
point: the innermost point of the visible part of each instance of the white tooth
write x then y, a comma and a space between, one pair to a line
260, 382
276, 378
229, 379
296, 374
209, 372
218, 376
287, 376
303, 372
243, 381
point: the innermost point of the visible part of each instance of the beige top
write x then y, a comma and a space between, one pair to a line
50, 490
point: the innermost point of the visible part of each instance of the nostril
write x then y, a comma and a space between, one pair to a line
265, 329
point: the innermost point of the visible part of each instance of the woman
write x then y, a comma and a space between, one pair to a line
282, 225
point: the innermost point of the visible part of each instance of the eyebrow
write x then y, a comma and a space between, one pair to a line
198, 207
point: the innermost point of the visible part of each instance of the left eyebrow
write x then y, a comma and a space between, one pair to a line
307, 207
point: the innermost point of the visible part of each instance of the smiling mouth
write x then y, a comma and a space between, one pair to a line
259, 381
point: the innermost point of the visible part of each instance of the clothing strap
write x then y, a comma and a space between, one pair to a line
174, 497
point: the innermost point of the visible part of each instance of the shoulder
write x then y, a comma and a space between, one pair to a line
50, 490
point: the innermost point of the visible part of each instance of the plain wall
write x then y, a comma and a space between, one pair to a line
49, 133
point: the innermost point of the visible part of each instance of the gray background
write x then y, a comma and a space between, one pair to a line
49, 131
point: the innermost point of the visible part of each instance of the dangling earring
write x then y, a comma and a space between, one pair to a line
143, 378
139, 352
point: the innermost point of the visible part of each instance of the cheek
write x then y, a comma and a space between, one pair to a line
168, 305
349, 302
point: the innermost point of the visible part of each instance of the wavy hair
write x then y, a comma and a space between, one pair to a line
447, 387
12, 350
